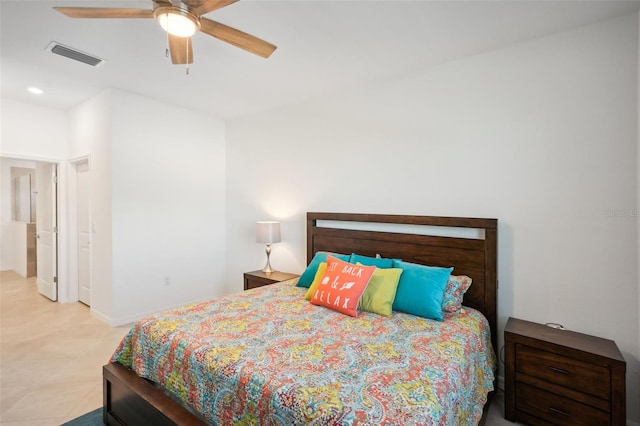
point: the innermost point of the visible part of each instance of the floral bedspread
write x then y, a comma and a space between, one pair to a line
267, 356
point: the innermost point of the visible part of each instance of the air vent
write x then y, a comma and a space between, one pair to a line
76, 55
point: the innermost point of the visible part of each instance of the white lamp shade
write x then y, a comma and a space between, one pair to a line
268, 232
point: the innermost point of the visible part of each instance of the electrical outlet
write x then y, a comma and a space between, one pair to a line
167, 281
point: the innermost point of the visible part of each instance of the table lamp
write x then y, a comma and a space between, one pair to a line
268, 232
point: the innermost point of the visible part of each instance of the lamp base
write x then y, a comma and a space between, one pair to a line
267, 268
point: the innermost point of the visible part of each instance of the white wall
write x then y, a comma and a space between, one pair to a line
32, 131
541, 135
90, 135
168, 206
157, 203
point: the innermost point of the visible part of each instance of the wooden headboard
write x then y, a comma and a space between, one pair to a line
475, 256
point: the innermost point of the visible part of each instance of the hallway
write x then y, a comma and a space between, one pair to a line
51, 355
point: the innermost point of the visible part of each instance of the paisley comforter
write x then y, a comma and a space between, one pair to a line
267, 356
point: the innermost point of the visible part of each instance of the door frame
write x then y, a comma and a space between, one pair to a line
72, 222
62, 212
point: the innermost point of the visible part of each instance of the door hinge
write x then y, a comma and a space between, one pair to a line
55, 229
55, 280
55, 179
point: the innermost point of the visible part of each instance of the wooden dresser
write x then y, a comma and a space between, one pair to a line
562, 377
255, 279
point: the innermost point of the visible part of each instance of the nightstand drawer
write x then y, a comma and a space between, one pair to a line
254, 283
557, 409
587, 378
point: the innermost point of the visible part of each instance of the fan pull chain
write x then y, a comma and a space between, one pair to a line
187, 39
166, 50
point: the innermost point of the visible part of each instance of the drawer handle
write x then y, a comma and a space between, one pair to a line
556, 411
558, 370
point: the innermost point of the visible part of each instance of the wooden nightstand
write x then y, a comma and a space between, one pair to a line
255, 279
562, 377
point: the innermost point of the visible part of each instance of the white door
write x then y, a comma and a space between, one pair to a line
47, 233
84, 240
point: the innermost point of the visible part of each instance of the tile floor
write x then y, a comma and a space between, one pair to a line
51, 357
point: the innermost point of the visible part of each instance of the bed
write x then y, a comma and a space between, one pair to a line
296, 366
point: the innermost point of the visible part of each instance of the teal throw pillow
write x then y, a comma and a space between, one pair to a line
307, 276
421, 289
378, 262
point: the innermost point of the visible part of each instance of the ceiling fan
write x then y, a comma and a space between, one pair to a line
181, 20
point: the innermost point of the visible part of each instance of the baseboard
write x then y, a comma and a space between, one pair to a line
131, 319
102, 317
632, 423
117, 322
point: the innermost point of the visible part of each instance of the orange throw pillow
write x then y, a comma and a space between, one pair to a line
342, 286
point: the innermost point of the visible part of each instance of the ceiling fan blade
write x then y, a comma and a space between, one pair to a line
200, 7
181, 49
104, 12
237, 38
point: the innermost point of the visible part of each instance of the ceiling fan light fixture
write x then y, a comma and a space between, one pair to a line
177, 21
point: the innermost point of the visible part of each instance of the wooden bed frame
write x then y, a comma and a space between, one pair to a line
132, 400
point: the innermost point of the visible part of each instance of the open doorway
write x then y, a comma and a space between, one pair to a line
28, 225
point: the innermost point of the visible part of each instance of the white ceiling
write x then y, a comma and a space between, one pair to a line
323, 47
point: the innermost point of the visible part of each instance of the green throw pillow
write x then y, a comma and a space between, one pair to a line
381, 291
